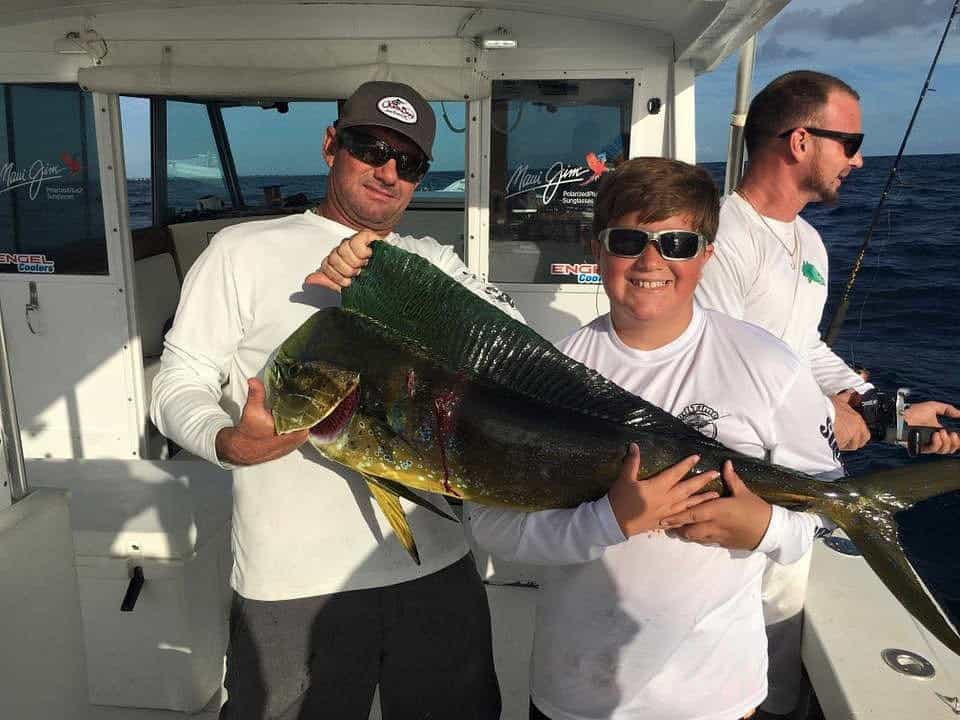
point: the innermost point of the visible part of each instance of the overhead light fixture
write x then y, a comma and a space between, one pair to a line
499, 39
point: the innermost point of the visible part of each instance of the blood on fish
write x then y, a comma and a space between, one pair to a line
444, 405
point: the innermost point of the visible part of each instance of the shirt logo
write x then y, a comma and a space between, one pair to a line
811, 273
701, 417
398, 109
827, 431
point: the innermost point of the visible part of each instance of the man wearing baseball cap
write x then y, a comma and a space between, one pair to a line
327, 604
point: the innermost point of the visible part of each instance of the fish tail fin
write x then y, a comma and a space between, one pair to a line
390, 506
875, 533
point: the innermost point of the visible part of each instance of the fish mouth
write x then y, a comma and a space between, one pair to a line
336, 421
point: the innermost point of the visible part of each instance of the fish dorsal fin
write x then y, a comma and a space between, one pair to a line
410, 297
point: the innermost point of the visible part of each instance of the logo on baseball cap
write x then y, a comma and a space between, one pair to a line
391, 105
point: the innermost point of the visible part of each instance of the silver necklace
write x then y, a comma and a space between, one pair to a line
792, 254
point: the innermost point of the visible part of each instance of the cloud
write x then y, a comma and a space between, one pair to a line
865, 18
773, 51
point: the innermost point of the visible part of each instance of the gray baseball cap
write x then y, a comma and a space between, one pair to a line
391, 105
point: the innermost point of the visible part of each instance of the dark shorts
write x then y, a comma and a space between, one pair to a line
426, 643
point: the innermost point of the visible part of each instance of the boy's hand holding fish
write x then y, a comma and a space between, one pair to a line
738, 521
641, 505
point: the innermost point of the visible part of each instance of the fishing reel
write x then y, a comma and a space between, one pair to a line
885, 419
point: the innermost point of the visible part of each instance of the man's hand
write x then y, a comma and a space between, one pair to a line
640, 505
255, 439
738, 522
344, 262
927, 414
849, 427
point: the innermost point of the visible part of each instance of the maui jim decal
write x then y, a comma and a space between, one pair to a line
28, 262
12, 177
586, 273
398, 109
525, 180
39, 172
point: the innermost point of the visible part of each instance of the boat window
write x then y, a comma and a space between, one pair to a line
195, 180
445, 179
278, 151
551, 141
51, 219
135, 121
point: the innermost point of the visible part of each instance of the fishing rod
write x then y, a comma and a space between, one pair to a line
836, 322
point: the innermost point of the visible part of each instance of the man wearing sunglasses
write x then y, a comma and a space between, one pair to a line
327, 605
803, 135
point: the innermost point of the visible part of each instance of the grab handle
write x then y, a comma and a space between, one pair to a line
133, 590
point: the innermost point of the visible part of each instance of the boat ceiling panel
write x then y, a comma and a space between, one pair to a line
702, 32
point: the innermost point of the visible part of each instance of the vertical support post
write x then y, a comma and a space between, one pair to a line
473, 185
226, 156
158, 159
113, 190
739, 116
12, 472
682, 117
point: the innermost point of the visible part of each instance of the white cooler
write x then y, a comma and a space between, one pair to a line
172, 520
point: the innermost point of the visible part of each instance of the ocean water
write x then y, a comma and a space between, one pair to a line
901, 325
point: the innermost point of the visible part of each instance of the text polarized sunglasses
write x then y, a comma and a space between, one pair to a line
675, 245
851, 141
375, 152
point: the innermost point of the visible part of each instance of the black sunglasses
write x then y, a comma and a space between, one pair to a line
851, 141
676, 245
376, 152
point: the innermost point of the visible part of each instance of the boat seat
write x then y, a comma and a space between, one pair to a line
158, 276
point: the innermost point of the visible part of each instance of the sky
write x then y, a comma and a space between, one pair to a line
883, 48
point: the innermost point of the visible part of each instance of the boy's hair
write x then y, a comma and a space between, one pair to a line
658, 188
792, 100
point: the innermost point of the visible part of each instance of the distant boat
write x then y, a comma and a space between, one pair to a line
203, 166
456, 186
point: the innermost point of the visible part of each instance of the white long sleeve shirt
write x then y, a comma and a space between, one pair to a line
755, 275
301, 526
655, 627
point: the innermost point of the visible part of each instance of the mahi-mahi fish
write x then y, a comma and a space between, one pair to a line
417, 382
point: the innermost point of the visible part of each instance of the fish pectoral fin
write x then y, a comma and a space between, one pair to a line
390, 506
395, 488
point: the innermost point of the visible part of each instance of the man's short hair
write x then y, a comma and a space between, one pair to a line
792, 100
658, 188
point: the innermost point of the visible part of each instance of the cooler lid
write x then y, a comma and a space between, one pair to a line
148, 508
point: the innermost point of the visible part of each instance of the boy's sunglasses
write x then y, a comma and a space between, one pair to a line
375, 152
676, 245
851, 141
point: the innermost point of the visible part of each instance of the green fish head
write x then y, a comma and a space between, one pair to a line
304, 394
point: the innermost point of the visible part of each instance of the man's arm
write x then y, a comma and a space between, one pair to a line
185, 403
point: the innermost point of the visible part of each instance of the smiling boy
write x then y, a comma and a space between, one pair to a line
638, 624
